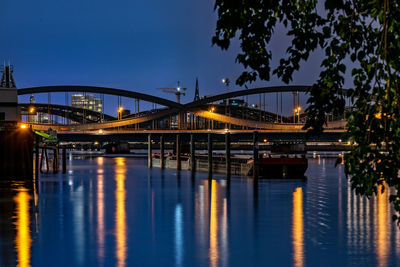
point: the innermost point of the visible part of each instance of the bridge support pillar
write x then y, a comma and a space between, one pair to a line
178, 152
162, 159
210, 159
228, 154
192, 153
149, 152
255, 155
64, 159
37, 140
180, 120
55, 160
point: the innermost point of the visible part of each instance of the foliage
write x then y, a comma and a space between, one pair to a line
366, 32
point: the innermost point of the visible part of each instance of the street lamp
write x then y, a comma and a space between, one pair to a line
298, 114
226, 81
120, 110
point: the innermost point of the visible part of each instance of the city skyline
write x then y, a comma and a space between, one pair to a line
133, 46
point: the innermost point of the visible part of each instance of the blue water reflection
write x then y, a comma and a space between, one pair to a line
116, 212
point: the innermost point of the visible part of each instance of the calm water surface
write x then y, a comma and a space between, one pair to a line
116, 212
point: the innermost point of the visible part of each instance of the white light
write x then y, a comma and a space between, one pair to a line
223, 80
179, 89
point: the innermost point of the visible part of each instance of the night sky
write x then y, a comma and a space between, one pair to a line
133, 45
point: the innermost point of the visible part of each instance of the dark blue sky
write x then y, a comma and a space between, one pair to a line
134, 45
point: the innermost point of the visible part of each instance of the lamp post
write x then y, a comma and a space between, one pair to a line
226, 81
120, 110
298, 114
31, 112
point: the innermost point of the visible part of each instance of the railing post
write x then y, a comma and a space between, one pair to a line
149, 151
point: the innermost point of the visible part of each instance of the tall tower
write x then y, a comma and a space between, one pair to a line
196, 93
9, 112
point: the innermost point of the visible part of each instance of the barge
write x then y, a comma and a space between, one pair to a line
283, 161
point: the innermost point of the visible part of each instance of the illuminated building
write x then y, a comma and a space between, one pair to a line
9, 112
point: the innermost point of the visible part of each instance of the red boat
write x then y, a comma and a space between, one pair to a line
287, 160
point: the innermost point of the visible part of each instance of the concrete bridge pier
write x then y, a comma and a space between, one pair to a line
162, 159
64, 159
228, 154
255, 155
178, 152
210, 159
192, 153
37, 140
149, 151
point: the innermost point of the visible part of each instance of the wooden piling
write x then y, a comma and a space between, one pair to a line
192, 153
64, 159
47, 160
54, 161
178, 153
228, 154
37, 140
149, 152
255, 155
162, 159
209, 148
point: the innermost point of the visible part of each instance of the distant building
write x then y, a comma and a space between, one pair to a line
9, 112
87, 102
234, 102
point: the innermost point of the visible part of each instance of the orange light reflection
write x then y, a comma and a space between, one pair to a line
23, 239
383, 235
298, 228
120, 213
214, 254
100, 209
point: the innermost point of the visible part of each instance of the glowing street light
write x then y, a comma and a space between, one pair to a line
23, 126
120, 110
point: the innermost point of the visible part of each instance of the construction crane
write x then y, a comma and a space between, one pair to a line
178, 91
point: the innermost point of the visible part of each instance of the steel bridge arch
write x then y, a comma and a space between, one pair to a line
63, 111
252, 91
98, 90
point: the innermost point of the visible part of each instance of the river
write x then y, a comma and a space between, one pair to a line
117, 212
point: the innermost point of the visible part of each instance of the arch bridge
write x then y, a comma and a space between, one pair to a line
204, 114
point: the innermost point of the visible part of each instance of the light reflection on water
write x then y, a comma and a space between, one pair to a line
298, 228
116, 212
120, 212
23, 239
